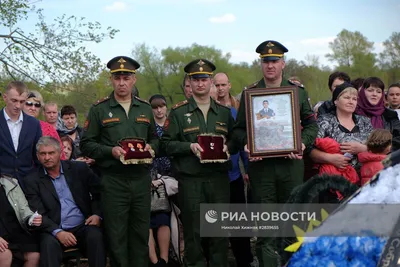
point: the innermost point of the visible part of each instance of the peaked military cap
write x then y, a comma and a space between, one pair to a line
271, 50
200, 68
123, 65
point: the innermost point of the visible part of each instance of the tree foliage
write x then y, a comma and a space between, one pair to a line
53, 51
161, 71
348, 47
390, 57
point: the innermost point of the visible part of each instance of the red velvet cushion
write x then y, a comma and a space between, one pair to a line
212, 146
134, 149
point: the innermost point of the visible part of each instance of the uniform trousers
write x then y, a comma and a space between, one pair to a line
194, 190
240, 245
272, 181
126, 208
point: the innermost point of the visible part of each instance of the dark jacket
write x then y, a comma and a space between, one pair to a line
19, 164
392, 123
326, 107
42, 196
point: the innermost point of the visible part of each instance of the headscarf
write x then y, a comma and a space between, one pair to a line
374, 112
62, 128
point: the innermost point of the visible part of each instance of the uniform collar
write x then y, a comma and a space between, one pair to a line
261, 83
114, 102
193, 105
20, 118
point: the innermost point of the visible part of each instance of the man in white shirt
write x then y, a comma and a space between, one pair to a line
19, 134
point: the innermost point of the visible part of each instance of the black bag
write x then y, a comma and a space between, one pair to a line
159, 199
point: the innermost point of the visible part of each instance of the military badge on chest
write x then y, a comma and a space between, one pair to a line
187, 115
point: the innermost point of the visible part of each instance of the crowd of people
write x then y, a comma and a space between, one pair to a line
68, 186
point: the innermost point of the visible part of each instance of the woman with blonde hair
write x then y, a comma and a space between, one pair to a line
32, 107
344, 126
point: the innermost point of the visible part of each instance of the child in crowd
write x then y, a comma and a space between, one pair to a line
379, 144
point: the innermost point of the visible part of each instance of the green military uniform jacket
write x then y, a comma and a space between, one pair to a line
185, 122
107, 123
308, 121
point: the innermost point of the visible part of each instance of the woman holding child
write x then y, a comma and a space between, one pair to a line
344, 126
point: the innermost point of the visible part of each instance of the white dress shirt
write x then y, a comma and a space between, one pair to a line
14, 127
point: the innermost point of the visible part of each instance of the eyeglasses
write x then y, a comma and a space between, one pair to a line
30, 104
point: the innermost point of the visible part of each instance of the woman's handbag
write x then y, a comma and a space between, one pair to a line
159, 199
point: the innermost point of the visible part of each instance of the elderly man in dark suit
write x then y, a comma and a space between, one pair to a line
18, 134
66, 193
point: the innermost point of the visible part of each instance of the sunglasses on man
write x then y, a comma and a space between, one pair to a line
30, 104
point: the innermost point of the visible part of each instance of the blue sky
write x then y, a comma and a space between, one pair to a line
305, 27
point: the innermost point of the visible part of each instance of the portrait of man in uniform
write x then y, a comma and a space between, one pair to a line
273, 130
266, 112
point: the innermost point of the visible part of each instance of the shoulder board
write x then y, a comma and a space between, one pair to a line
219, 104
253, 85
101, 100
179, 104
296, 84
142, 100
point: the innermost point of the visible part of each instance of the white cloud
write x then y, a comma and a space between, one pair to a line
116, 6
238, 55
378, 47
227, 18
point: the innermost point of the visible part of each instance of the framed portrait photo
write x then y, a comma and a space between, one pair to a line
273, 122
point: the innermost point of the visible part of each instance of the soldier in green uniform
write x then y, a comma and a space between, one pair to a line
272, 179
125, 188
199, 182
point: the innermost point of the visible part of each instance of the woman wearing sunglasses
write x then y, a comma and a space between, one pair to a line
32, 107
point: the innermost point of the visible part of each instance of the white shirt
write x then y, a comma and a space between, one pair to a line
14, 127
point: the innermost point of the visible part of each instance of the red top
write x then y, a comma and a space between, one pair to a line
49, 130
371, 165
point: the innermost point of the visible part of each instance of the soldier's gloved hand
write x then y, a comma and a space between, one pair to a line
117, 151
196, 148
251, 158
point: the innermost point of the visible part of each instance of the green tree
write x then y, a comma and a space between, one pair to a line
162, 72
312, 75
52, 51
390, 58
348, 47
